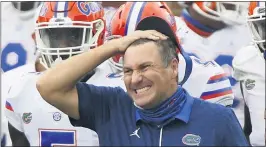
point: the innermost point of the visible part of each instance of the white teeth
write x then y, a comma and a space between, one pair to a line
142, 89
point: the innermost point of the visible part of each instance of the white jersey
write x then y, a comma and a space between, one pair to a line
249, 67
17, 45
107, 75
209, 78
9, 78
221, 46
205, 80
43, 124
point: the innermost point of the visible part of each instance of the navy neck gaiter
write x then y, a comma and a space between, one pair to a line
166, 110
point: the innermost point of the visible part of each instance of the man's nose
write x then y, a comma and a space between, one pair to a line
136, 77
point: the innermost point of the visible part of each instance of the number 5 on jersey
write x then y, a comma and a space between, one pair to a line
56, 137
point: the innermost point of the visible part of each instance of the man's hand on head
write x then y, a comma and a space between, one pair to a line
122, 43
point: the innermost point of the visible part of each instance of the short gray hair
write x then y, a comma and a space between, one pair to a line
167, 48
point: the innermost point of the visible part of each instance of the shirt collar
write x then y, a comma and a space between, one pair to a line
183, 115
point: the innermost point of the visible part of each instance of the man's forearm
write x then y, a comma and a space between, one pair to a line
64, 76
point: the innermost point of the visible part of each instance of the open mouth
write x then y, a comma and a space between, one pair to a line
142, 90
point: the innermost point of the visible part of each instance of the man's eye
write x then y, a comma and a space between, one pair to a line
127, 71
145, 67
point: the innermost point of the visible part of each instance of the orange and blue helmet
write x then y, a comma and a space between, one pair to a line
64, 29
127, 17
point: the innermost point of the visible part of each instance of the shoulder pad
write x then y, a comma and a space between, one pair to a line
242, 60
244, 55
24, 83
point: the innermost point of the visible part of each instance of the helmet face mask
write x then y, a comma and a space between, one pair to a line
60, 38
61, 43
256, 23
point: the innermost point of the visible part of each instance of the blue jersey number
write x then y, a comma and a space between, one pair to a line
227, 60
17, 50
204, 63
197, 60
222, 60
57, 137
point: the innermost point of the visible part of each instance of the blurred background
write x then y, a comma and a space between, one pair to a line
18, 45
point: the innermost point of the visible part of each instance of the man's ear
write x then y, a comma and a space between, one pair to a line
174, 67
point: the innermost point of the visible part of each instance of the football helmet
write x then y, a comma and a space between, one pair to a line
231, 13
128, 15
64, 29
256, 22
27, 9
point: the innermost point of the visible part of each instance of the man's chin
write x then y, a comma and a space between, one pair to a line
144, 103
143, 100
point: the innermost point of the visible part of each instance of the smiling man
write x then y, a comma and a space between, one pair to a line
146, 68
154, 108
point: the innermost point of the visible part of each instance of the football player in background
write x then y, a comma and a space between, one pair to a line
214, 28
17, 45
249, 69
214, 85
63, 29
216, 31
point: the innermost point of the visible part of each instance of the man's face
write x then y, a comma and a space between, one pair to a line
63, 38
147, 80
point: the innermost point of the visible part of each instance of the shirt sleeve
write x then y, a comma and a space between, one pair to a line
233, 134
95, 104
218, 90
13, 118
11, 97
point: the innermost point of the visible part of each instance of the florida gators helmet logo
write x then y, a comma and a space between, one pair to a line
88, 7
